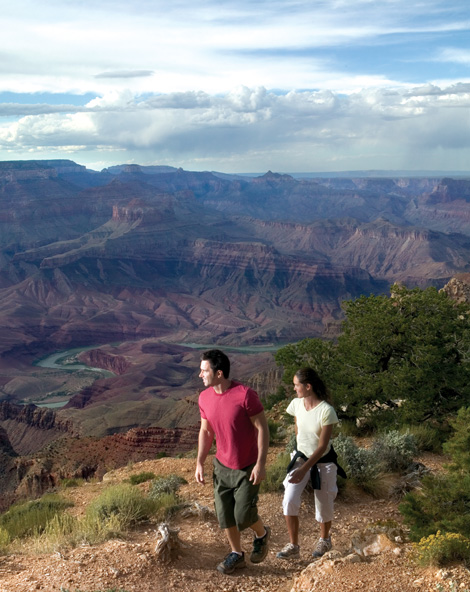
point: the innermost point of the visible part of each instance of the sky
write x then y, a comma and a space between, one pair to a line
238, 86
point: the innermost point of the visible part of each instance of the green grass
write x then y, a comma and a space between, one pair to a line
138, 478
29, 518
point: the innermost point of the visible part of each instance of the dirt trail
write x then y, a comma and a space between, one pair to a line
130, 564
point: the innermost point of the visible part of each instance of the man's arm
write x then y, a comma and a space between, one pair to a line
206, 437
259, 471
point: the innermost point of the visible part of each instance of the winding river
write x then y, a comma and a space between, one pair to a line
67, 361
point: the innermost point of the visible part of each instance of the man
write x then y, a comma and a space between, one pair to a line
233, 414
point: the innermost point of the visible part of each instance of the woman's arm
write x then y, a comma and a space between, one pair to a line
325, 436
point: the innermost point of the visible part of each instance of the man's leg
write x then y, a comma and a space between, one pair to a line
258, 528
234, 539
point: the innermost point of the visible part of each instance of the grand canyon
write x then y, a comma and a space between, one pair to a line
132, 270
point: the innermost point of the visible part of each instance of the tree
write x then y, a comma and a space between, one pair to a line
316, 353
399, 359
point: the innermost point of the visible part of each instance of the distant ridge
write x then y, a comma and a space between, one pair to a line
364, 174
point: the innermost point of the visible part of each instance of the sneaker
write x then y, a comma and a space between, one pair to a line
290, 551
323, 546
232, 562
260, 547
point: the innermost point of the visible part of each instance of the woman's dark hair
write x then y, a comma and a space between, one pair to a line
309, 376
217, 360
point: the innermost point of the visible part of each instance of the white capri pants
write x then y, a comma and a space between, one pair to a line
324, 497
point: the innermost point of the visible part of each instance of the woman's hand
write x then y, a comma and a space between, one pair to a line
298, 474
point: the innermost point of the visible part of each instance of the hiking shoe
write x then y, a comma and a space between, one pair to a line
290, 551
260, 547
232, 562
323, 546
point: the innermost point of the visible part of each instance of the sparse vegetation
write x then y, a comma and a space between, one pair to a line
442, 549
163, 492
427, 438
273, 427
165, 485
275, 473
274, 398
29, 518
123, 502
138, 478
394, 451
361, 466
71, 482
4, 540
443, 502
66, 531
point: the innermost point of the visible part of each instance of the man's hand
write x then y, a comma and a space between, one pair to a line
258, 474
199, 474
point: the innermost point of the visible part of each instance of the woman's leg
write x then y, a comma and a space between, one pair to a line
325, 498
291, 506
293, 529
325, 529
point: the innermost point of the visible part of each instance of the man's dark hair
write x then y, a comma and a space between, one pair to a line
310, 376
217, 360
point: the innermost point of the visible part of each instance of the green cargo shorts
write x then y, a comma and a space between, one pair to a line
235, 496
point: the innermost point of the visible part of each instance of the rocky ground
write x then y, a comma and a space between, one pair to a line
130, 564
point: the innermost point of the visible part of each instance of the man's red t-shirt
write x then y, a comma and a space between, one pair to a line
229, 416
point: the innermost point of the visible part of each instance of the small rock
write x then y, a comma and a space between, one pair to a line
352, 558
442, 574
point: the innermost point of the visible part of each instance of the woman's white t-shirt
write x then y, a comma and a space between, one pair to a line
310, 424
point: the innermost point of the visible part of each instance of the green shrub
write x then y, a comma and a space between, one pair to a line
66, 531
348, 427
31, 517
360, 464
165, 485
458, 445
274, 398
167, 504
276, 473
441, 549
273, 427
138, 478
442, 504
394, 450
427, 438
4, 540
71, 482
125, 502
292, 443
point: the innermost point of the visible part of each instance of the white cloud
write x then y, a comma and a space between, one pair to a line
298, 130
212, 46
454, 55
246, 85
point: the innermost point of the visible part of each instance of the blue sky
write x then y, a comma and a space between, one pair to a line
245, 86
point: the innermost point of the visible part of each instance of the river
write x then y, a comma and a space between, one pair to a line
67, 361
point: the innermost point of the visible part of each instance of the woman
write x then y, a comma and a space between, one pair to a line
315, 457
